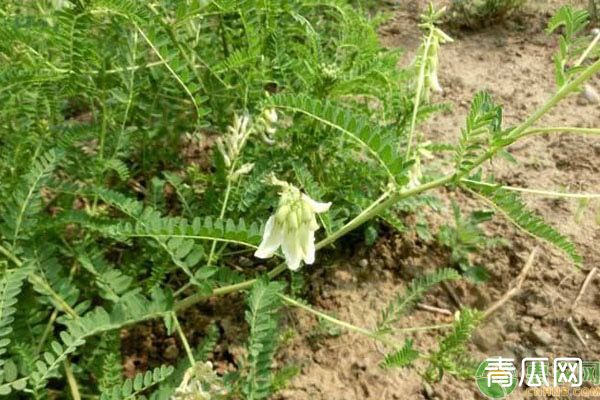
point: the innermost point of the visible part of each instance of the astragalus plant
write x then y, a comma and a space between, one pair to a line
145, 144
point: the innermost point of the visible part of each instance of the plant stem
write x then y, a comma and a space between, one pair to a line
326, 317
36, 280
371, 334
542, 131
223, 209
424, 328
537, 191
46, 333
587, 50
186, 345
343, 324
519, 132
71, 380
11, 256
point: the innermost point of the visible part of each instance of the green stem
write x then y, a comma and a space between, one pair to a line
519, 132
390, 198
223, 209
47, 331
537, 191
419, 91
371, 334
197, 297
71, 380
11, 256
573, 129
587, 50
186, 345
343, 324
36, 280
561, 94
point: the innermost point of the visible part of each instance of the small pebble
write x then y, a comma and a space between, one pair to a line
538, 310
589, 95
541, 336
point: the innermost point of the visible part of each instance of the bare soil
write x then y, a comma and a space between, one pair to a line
513, 61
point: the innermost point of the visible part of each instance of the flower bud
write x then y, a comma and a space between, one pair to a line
270, 115
282, 214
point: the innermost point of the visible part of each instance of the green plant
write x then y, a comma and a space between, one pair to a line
112, 217
478, 13
465, 237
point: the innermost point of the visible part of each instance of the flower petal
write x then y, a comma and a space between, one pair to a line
309, 251
272, 238
435, 83
315, 205
303, 237
291, 251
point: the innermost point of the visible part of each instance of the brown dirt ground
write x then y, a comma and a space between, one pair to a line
514, 63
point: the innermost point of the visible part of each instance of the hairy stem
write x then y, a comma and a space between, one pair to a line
71, 380
186, 345
547, 193
520, 130
550, 129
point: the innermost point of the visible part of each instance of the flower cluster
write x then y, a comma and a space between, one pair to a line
200, 382
438, 37
428, 54
292, 227
231, 144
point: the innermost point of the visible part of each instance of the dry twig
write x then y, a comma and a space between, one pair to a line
434, 309
516, 287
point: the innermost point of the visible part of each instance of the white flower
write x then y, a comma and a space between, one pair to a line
414, 176
293, 228
271, 115
200, 382
269, 120
243, 170
435, 83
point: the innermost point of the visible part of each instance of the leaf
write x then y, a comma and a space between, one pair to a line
140, 383
19, 216
401, 358
510, 205
417, 288
263, 305
11, 284
368, 135
484, 124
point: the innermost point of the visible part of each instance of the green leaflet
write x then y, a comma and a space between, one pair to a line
141, 382
402, 357
415, 291
263, 305
19, 216
132, 308
483, 125
363, 132
11, 284
510, 204
452, 355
